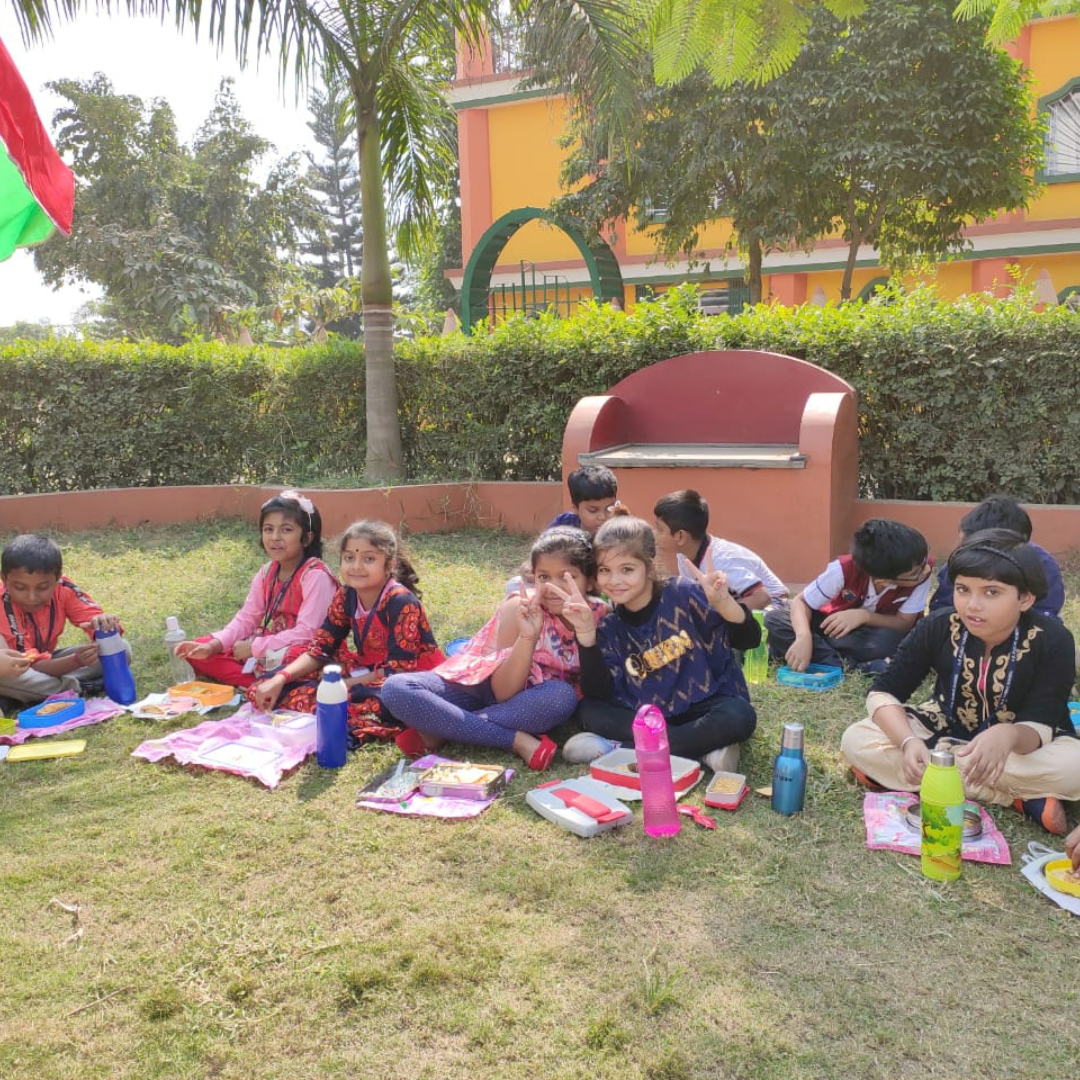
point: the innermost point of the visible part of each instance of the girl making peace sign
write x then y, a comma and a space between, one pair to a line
517, 678
667, 643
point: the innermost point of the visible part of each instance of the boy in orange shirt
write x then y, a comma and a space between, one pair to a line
38, 602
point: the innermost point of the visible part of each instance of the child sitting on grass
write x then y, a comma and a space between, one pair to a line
682, 528
1001, 512
285, 605
39, 602
379, 607
594, 494
667, 643
857, 611
1003, 674
517, 678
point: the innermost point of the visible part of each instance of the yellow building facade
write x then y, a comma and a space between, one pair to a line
517, 258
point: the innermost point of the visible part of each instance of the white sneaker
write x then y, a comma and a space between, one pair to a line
725, 760
584, 747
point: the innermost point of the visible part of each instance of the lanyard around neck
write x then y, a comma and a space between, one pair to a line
276, 602
958, 664
18, 635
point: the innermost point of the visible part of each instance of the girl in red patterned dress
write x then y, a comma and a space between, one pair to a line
375, 627
285, 605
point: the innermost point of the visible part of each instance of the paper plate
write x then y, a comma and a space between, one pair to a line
1059, 874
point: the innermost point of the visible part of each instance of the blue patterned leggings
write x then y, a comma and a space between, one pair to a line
470, 714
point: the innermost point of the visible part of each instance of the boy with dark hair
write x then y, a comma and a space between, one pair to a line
1003, 675
38, 603
858, 610
681, 524
1001, 512
593, 491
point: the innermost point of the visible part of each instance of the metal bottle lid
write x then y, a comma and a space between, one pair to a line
942, 758
792, 739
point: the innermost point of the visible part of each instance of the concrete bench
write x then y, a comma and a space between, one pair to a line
771, 441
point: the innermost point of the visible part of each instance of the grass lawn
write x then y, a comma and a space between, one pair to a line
229, 931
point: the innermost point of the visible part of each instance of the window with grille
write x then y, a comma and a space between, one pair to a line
1063, 134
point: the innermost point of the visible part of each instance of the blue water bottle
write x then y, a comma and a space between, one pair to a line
331, 719
789, 772
115, 669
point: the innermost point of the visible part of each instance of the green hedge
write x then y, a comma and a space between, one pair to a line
956, 400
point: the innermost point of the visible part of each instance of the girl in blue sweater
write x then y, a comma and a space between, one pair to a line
666, 643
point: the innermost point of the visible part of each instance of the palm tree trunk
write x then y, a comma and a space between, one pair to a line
383, 460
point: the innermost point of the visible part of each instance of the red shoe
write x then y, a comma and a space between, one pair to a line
542, 755
1048, 812
411, 743
867, 782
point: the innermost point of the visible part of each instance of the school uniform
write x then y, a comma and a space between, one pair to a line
40, 630
840, 587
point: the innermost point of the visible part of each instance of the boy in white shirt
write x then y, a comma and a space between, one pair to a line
681, 524
859, 609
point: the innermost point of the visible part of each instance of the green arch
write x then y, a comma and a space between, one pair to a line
868, 290
604, 273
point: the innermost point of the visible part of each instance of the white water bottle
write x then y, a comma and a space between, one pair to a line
180, 671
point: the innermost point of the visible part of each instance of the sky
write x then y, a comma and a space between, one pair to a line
141, 57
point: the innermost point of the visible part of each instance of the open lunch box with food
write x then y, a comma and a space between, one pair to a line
448, 779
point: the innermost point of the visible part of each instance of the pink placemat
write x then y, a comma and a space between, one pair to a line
220, 745
887, 828
97, 709
440, 806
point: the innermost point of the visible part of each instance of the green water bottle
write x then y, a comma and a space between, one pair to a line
755, 663
941, 799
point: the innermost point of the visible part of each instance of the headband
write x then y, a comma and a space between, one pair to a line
1003, 555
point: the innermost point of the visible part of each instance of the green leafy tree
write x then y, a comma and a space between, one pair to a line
701, 154
919, 128
336, 248
895, 130
176, 237
381, 50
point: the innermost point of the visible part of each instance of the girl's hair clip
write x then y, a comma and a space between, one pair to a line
305, 503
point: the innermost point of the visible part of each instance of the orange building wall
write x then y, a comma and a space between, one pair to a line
521, 143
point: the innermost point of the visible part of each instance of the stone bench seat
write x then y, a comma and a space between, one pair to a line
696, 456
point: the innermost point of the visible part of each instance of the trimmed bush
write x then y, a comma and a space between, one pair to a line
957, 400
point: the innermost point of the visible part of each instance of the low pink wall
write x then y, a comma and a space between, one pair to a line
742, 510
523, 508
1056, 528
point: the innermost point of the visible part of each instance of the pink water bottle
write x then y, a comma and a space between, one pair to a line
654, 770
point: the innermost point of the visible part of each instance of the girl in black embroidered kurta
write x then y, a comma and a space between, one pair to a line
375, 627
666, 644
1003, 678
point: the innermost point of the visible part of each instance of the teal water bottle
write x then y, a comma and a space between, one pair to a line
789, 772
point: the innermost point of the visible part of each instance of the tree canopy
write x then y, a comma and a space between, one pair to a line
177, 237
893, 130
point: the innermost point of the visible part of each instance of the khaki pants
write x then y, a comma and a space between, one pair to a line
33, 686
1053, 769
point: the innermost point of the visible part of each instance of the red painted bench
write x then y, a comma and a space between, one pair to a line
770, 440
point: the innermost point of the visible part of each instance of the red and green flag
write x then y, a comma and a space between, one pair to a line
37, 190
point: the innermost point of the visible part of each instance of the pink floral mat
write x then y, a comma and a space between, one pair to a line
887, 828
97, 709
228, 746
